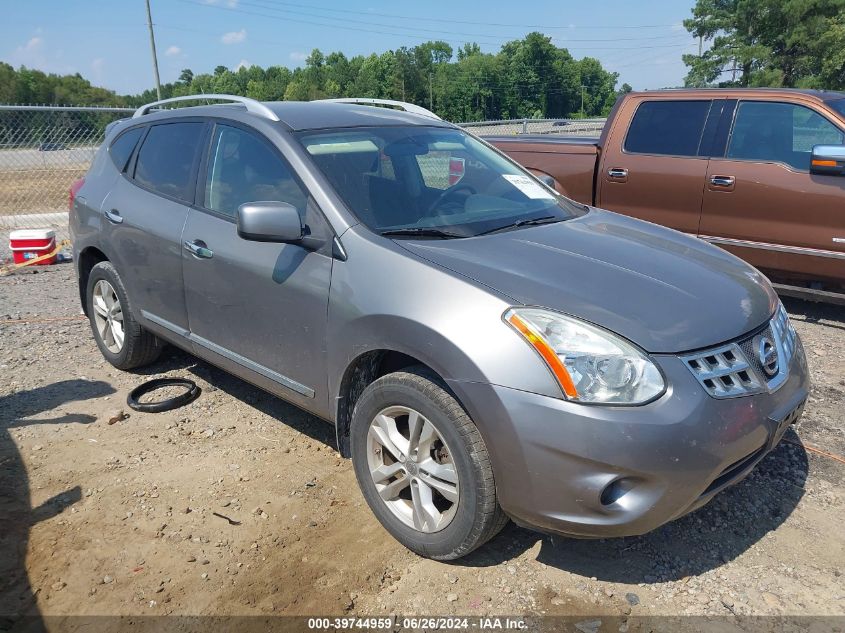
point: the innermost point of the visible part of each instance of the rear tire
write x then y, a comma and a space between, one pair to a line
121, 339
439, 500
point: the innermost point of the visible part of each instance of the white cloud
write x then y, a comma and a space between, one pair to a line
33, 54
298, 56
242, 64
229, 3
234, 37
172, 50
34, 43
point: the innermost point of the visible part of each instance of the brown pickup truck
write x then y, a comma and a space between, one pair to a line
759, 172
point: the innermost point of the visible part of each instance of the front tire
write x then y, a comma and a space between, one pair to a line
121, 339
423, 467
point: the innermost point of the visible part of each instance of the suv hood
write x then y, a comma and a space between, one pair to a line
661, 289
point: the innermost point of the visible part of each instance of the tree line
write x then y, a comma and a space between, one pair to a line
768, 43
527, 78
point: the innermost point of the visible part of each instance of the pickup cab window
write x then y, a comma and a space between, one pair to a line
838, 105
769, 131
670, 128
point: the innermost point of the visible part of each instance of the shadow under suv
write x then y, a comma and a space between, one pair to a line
485, 347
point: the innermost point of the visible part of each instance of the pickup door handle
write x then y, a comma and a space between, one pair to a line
113, 216
839, 240
618, 173
722, 181
198, 249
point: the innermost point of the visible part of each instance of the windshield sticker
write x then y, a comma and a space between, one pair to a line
530, 188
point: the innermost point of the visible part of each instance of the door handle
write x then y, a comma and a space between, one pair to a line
722, 181
618, 173
113, 216
198, 249
839, 240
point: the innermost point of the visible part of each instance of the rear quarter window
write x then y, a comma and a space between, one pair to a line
166, 159
671, 128
123, 146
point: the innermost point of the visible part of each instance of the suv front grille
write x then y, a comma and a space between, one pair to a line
751, 365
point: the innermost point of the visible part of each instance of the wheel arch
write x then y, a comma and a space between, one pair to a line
364, 369
87, 259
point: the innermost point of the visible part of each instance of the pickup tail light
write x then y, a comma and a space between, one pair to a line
74, 188
456, 170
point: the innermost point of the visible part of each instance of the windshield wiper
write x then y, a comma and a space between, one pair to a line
421, 231
546, 219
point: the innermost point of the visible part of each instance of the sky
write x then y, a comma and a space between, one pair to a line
107, 41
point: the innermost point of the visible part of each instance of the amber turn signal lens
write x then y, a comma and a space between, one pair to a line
824, 163
547, 353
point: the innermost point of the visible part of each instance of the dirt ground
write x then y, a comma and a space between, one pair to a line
36, 190
240, 503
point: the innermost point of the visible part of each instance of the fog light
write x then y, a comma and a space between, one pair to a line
615, 490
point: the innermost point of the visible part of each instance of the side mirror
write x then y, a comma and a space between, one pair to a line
828, 160
546, 180
269, 222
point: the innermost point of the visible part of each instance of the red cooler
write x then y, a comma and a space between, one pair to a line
28, 244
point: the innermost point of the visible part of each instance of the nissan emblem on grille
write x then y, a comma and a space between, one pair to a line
757, 363
768, 355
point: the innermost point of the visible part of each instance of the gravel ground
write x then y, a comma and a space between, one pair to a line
240, 504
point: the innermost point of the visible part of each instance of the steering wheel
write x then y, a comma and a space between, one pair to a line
447, 193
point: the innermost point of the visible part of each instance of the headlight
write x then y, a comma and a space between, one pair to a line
591, 364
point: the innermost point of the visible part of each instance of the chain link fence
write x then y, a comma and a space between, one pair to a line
43, 149
556, 127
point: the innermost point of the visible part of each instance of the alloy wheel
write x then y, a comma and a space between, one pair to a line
412, 469
108, 316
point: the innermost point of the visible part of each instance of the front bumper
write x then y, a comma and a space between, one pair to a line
600, 471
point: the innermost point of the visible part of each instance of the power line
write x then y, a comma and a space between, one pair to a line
273, 7
380, 32
473, 22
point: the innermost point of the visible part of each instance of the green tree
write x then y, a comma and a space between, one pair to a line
530, 77
791, 43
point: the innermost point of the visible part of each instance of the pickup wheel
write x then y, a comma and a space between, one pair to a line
423, 467
121, 339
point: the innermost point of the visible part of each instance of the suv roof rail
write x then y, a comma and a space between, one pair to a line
256, 107
407, 107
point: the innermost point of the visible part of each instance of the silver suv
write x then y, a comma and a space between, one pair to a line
485, 347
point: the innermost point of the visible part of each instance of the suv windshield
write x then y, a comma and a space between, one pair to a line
431, 182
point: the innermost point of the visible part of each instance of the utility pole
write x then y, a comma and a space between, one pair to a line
430, 93
153, 48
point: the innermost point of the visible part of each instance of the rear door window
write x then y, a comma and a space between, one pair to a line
244, 168
768, 131
166, 159
670, 128
123, 146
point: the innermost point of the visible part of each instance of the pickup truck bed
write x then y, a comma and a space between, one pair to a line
572, 160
